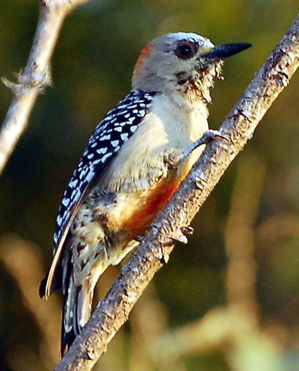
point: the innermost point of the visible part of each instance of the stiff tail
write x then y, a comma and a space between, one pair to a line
76, 312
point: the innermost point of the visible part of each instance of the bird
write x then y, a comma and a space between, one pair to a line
134, 162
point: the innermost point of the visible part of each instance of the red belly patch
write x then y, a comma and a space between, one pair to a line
150, 206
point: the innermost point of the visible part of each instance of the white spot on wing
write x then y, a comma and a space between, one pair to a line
66, 202
102, 151
105, 137
124, 136
114, 143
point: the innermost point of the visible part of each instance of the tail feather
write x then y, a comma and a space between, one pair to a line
55, 285
76, 312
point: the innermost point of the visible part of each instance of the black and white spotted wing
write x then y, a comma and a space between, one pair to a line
111, 133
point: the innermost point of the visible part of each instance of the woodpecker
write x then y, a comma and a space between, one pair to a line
134, 162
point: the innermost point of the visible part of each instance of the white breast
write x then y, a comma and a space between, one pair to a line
173, 124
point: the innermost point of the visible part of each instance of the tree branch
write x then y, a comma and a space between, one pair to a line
36, 75
170, 226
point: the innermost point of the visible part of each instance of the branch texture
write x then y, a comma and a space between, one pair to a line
173, 222
36, 75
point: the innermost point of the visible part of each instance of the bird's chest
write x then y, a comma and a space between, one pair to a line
140, 163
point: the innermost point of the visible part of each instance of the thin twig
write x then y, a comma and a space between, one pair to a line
36, 76
155, 248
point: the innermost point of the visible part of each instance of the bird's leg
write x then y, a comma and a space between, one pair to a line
174, 158
207, 137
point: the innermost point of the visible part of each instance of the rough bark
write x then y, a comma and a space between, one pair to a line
173, 222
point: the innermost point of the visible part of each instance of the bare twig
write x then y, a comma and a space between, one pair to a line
155, 248
36, 75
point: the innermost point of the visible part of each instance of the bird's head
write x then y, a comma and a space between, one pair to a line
184, 62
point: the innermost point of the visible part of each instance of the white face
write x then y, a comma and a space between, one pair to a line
172, 60
181, 53
183, 62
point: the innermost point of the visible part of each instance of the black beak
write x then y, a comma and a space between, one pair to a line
225, 51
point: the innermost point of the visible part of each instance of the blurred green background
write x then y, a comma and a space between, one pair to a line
229, 300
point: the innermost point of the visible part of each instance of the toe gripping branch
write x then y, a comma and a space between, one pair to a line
175, 157
207, 137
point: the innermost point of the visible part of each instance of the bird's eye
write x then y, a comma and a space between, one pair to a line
185, 50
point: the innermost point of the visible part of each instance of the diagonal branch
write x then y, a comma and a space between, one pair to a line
170, 226
36, 75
